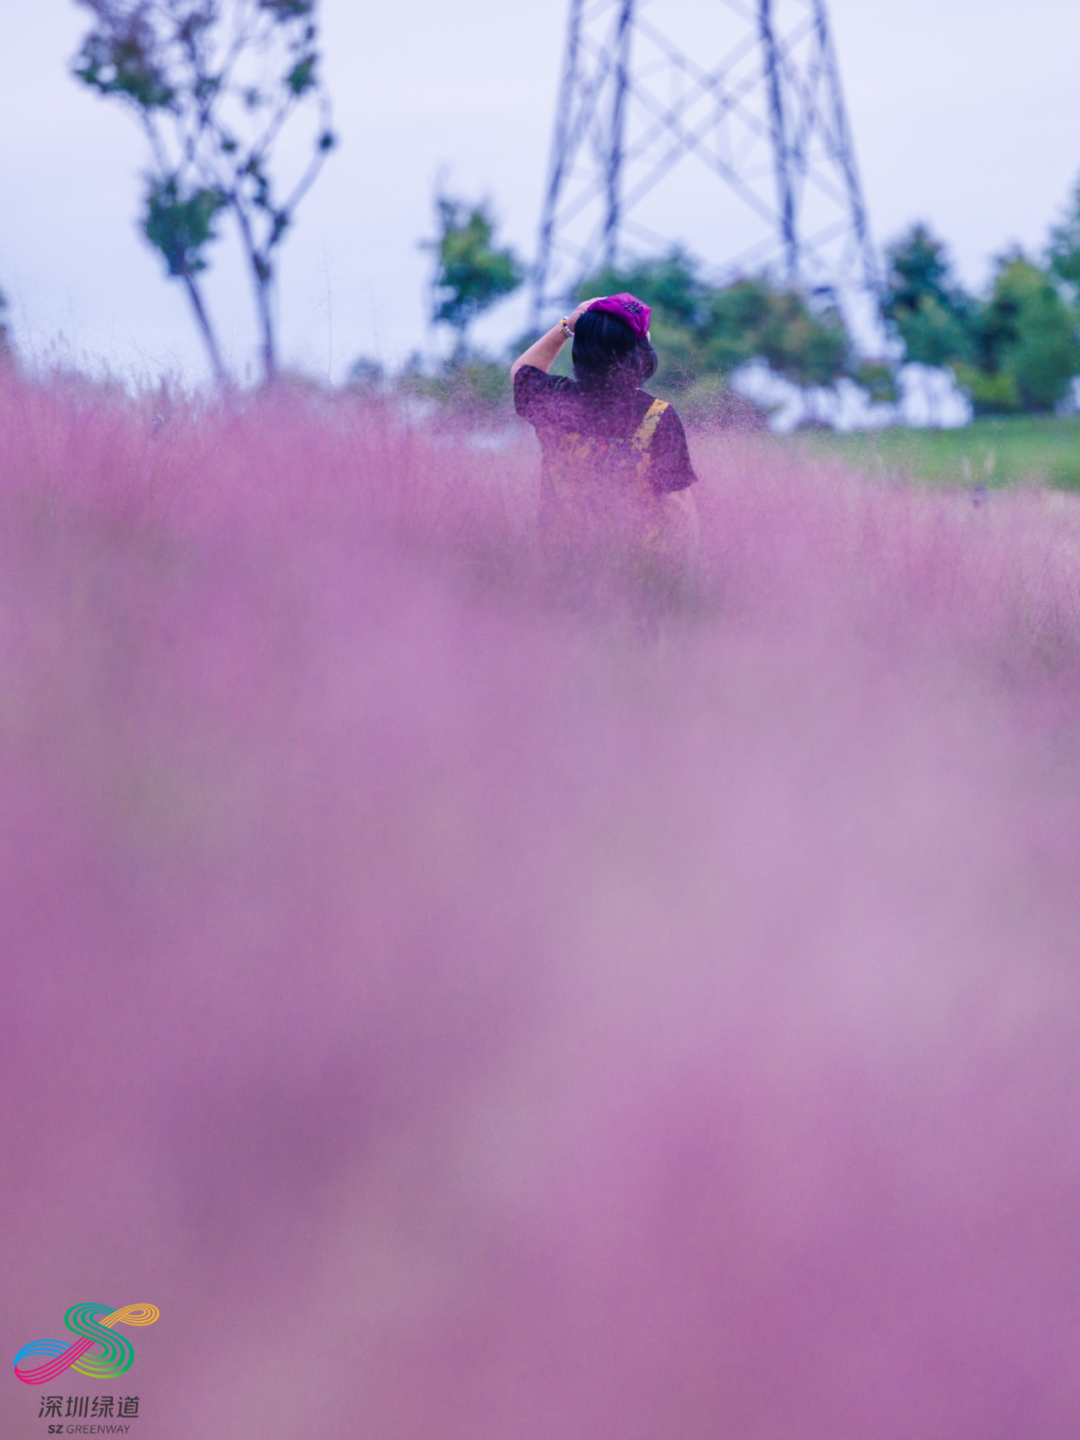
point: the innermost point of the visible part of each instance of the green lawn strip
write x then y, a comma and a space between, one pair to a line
1040, 449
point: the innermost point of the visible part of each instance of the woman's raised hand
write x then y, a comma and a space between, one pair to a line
571, 320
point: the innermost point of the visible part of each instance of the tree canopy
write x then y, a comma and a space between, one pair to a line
470, 273
701, 329
1064, 252
1026, 340
1015, 348
923, 302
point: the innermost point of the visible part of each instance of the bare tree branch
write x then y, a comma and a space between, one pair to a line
214, 83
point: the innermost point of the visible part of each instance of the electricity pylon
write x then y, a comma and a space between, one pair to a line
753, 95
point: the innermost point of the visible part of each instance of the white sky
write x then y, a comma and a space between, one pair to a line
965, 113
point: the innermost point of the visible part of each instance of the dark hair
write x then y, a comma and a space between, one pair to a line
607, 352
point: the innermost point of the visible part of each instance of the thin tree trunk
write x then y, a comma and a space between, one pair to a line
260, 279
266, 320
203, 321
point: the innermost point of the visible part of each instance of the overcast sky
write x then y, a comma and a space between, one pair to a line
965, 113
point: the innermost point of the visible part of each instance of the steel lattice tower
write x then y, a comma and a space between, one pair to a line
752, 93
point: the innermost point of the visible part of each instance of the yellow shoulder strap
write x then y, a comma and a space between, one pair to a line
647, 429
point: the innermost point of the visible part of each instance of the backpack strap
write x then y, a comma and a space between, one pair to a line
643, 435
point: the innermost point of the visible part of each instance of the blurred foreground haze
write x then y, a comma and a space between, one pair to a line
476, 999
479, 993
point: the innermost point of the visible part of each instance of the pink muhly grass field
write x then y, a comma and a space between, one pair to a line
473, 1002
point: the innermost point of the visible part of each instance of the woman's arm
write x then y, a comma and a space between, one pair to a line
543, 352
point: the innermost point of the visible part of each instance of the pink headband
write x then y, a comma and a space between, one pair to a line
630, 310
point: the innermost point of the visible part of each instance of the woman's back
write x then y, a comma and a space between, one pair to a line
611, 434
615, 465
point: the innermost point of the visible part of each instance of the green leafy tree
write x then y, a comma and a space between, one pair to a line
878, 379
1026, 343
918, 265
213, 83
735, 319
930, 312
1065, 245
933, 334
669, 283
809, 347
471, 275
699, 329
181, 226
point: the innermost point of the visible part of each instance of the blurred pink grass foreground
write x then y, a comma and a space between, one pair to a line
473, 1008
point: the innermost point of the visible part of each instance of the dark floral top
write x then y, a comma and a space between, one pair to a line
601, 431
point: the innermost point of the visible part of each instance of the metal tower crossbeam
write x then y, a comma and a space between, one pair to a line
752, 93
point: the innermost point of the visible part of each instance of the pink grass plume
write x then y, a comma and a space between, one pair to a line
472, 1004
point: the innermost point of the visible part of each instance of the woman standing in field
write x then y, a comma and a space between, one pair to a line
615, 470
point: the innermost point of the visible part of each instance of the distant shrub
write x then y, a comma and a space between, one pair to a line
5, 339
